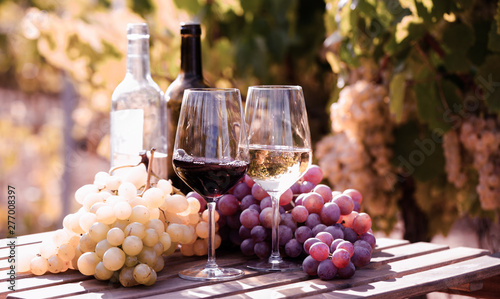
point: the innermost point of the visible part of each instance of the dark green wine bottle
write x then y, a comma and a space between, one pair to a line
190, 76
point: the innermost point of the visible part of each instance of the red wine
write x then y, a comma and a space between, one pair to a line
210, 179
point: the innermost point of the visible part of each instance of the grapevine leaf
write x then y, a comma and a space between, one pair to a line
488, 79
230, 6
333, 61
411, 28
451, 93
456, 62
478, 52
347, 54
424, 9
277, 43
445, 6
143, 7
463, 4
366, 8
251, 6
397, 93
395, 9
494, 38
418, 152
345, 24
429, 106
497, 17
192, 6
432, 11
457, 37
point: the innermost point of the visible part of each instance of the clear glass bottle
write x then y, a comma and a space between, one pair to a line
190, 76
138, 108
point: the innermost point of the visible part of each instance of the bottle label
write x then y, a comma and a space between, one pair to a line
127, 130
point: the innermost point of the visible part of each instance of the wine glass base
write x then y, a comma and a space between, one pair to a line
211, 274
281, 266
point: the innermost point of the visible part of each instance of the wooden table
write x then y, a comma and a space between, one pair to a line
397, 269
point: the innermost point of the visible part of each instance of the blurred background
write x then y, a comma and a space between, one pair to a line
402, 97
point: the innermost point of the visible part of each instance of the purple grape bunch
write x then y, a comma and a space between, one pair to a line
325, 228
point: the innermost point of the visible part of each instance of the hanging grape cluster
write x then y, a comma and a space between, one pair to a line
475, 145
359, 153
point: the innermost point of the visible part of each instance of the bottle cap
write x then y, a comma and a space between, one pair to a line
190, 28
137, 30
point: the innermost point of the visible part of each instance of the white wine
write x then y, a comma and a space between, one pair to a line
276, 168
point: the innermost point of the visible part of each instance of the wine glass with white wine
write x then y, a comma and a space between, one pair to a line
280, 152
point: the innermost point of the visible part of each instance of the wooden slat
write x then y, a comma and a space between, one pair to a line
4, 263
428, 281
28, 239
33, 289
176, 287
4, 277
490, 289
384, 243
173, 283
367, 275
403, 252
469, 287
393, 260
43, 281
5, 252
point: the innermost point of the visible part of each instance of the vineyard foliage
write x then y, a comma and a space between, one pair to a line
425, 73
438, 61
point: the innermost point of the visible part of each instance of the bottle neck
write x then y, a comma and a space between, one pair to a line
138, 58
191, 56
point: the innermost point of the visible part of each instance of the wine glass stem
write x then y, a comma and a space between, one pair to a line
211, 236
275, 250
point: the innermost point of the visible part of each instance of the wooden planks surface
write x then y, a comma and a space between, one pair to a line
397, 269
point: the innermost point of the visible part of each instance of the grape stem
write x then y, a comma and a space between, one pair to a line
148, 180
143, 161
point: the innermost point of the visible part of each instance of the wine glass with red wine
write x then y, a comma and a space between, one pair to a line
211, 155
280, 152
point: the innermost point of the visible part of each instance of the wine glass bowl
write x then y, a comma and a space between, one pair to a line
280, 151
211, 155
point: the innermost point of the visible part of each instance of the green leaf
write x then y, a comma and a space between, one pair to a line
497, 17
494, 38
418, 151
191, 6
432, 11
488, 79
456, 62
424, 9
251, 6
366, 8
143, 7
410, 29
429, 106
463, 4
395, 11
397, 89
277, 42
348, 21
478, 52
347, 54
451, 93
458, 37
